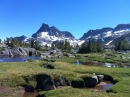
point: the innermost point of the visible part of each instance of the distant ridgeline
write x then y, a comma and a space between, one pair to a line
46, 36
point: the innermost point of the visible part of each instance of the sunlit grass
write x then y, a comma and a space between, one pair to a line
15, 73
74, 92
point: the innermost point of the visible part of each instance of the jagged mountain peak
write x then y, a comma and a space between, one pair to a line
106, 35
52, 31
19, 38
44, 28
122, 27
90, 33
48, 35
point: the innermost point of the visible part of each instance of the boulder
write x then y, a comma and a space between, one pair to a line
90, 82
78, 84
18, 51
23, 51
30, 51
60, 81
49, 66
44, 82
4, 52
10, 53
100, 77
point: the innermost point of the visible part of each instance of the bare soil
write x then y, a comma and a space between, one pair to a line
6, 91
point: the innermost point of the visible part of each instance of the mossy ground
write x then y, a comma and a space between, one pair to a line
20, 73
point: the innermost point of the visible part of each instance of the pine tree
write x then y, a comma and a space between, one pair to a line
57, 45
122, 45
83, 49
52, 46
46, 46
32, 43
7, 42
0, 41
62, 45
89, 46
14, 42
94, 48
99, 47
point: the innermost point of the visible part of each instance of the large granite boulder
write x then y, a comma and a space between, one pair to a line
23, 51
30, 51
6, 52
18, 51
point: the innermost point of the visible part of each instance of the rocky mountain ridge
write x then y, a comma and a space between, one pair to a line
107, 36
52, 31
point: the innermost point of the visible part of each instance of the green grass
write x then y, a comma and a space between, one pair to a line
74, 92
24, 73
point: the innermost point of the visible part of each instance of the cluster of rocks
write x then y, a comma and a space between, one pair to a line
45, 82
17, 51
52, 54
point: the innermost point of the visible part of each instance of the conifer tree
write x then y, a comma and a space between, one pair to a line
0, 41
90, 47
32, 43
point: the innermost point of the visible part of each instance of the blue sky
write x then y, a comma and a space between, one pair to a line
24, 17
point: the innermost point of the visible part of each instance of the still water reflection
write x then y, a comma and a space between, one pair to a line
102, 86
18, 59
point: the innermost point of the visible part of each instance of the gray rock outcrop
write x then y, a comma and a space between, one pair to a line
17, 51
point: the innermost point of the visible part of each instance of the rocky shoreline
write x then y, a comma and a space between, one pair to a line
16, 51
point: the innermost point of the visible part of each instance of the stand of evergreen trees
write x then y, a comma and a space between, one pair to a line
64, 45
122, 45
15, 43
90, 47
0, 41
35, 45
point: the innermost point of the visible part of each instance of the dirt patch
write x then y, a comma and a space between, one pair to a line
6, 91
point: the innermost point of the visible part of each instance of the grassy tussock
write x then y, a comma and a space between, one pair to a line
73, 92
22, 73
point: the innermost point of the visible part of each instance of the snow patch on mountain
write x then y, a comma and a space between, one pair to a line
46, 36
76, 42
109, 42
107, 34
